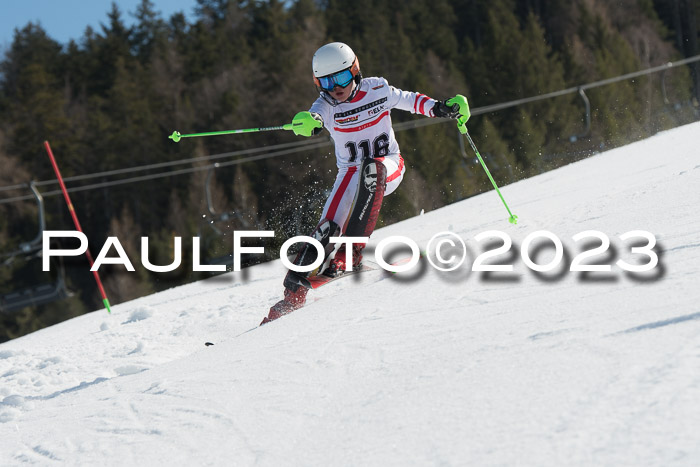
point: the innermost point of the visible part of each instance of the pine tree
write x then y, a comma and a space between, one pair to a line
35, 102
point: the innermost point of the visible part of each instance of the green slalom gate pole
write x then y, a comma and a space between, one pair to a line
176, 136
461, 101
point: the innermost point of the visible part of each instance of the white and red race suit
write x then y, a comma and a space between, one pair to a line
361, 128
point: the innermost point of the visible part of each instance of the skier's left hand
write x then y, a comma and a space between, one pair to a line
443, 110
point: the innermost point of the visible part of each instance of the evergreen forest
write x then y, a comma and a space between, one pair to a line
108, 100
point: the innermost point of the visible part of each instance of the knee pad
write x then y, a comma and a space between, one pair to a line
368, 200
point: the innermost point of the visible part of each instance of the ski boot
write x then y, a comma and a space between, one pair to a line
337, 264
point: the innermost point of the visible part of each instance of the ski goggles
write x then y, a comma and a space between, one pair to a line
342, 79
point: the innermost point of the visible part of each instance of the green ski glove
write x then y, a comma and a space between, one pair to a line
307, 124
464, 112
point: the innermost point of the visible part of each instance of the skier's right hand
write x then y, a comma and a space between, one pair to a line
307, 124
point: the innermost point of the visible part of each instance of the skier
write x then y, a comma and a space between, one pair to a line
356, 113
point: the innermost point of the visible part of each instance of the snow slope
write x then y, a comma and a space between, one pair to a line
439, 368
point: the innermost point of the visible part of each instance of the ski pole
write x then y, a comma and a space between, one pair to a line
461, 101
177, 136
303, 124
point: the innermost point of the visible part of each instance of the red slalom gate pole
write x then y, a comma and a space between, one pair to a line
71, 209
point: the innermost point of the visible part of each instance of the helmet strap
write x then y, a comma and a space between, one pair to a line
357, 79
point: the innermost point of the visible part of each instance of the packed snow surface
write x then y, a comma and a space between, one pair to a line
417, 368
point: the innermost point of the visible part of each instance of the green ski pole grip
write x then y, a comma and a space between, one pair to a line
464, 111
304, 124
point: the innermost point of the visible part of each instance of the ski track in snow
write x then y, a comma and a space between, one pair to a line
452, 368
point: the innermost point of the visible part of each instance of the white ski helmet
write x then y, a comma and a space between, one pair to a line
335, 64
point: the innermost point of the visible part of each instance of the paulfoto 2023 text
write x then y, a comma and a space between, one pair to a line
440, 245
